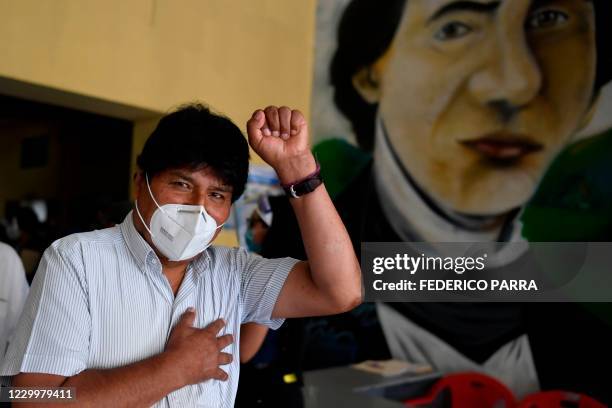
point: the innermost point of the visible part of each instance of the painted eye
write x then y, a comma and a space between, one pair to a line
546, 19
452, 31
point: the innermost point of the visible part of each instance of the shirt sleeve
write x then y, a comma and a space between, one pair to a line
52, 336
261, 282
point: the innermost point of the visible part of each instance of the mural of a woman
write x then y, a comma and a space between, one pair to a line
464, 105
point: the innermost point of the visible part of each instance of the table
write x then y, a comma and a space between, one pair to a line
347, 387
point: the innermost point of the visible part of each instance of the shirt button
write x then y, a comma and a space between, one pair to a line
154, 261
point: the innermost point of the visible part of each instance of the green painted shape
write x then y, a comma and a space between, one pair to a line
574, 199
340, 163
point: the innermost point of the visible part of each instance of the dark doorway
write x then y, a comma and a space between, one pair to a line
71, 168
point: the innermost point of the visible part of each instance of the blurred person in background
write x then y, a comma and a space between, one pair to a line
13, 293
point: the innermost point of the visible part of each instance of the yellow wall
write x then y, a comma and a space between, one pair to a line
235, 55
150, 55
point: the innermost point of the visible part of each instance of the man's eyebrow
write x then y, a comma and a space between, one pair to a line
473, 6
222, 187
183, 175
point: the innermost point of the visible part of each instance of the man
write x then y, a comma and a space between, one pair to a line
13, 292
464, 104
147, 312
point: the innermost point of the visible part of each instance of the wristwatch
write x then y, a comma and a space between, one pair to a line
304, 186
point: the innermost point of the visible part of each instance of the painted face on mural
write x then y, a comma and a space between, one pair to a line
479, 96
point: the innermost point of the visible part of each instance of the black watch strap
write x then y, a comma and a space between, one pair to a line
304, 187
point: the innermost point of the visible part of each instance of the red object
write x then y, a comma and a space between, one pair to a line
467, 390
475, 390
556, 399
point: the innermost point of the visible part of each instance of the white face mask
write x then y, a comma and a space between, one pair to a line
180, 231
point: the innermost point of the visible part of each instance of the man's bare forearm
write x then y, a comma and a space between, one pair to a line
333, 265
140, 384
331, 257
252, 336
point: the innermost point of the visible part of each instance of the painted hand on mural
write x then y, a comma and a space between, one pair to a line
280, 137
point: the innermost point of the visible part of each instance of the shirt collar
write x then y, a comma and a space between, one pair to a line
137, 245
142, 251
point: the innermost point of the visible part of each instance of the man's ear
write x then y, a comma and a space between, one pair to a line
138, 183
367, 83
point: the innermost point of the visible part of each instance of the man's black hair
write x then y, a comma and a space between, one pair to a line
366, 31
196, 138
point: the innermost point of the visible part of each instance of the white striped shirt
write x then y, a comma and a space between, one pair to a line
100, 300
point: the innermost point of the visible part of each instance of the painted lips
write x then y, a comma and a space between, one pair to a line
504, 147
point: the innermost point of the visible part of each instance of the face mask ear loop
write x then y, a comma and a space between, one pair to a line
142, 219
151, 193
158, 206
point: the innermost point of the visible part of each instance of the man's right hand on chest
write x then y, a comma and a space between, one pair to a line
196, 354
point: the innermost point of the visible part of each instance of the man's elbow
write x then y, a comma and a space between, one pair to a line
245, 358
355, 301
349, 300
